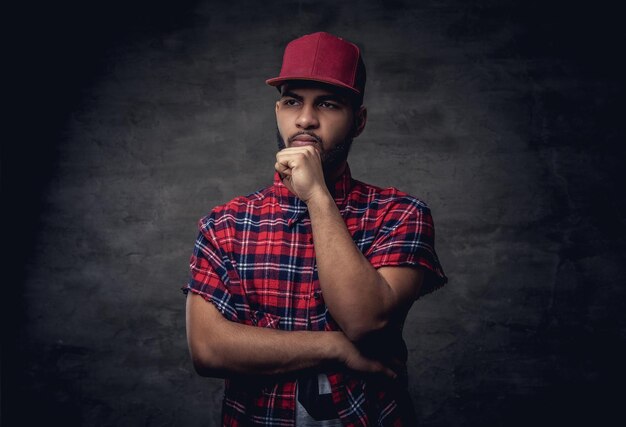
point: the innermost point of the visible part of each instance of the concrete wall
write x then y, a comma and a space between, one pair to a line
135, 120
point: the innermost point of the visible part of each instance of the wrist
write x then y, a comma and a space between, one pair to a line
335, 347
320, 197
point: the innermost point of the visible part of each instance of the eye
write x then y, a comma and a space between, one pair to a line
290, 102
330, 105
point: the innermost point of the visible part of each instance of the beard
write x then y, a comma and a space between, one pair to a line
331, 159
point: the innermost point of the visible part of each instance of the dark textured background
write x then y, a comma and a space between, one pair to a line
135, 118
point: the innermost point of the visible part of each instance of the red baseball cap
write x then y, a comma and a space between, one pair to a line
325, 58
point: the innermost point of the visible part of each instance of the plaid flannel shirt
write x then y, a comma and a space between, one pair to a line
254, 259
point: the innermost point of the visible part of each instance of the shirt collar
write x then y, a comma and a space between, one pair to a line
295, 209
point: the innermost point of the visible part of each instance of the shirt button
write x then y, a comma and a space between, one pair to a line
316, 295
310, 239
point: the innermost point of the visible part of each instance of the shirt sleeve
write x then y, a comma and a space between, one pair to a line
406, 237
209, 272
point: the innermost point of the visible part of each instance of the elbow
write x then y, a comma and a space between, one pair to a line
205, 337
206, 362
201, 367
362, 331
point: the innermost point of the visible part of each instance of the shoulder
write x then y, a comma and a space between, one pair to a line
387, 199
238, 209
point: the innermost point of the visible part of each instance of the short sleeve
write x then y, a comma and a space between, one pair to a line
209, 272
406, 237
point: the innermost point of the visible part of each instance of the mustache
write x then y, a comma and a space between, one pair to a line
311, 134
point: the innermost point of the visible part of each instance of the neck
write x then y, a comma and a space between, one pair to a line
331, 176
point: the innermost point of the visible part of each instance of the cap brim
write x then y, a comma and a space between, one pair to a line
277, 81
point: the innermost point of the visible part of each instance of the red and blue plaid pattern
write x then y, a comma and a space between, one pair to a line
254, 259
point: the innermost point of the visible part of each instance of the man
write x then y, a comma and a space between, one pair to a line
298, 292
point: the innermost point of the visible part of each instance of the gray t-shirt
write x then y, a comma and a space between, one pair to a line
303, 418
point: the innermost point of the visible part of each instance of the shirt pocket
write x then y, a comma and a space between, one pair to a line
362, 238
263, 319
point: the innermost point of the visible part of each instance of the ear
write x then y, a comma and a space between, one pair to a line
280, 91
360, 119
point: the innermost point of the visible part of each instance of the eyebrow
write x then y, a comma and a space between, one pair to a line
291, 94
326, 97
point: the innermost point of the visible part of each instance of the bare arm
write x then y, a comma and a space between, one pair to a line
220, 348
362, 299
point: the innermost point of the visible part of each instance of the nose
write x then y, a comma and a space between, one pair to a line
307, 118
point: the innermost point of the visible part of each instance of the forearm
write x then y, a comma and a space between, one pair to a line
221, 348
250, 350
358, 297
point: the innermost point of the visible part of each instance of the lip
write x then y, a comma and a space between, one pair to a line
303, 140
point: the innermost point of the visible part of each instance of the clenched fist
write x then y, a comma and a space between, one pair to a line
300, 169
